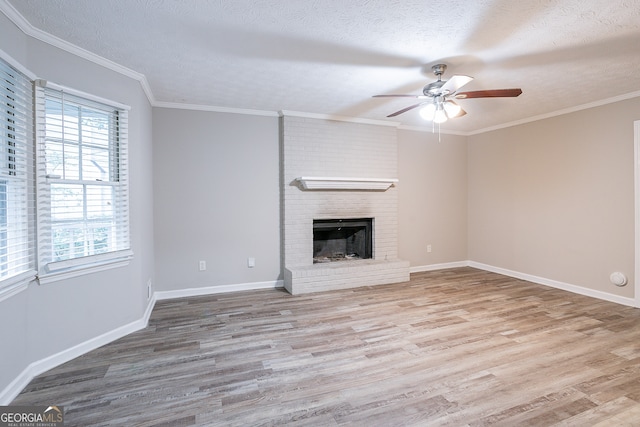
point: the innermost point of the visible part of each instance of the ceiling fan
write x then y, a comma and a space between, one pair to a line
437, 107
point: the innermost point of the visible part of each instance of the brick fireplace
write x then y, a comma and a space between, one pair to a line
338, 170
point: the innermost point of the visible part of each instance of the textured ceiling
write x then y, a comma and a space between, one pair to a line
330, 56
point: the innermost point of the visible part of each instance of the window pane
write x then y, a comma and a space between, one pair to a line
100, 238
55, 159
3, 204
68, 241
62, 120
95, 163
67, 202
77, 239
71, 161
95, 127
54, 119
99, 202
17, 216
71, 131
84, 158
62, 161
3, 223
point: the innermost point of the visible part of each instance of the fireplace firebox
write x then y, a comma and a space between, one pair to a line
342, 239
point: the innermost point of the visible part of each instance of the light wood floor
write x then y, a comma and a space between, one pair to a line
454, 347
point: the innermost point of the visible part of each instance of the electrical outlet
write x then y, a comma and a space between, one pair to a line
203, 265
251, 262
428, 248
149, 289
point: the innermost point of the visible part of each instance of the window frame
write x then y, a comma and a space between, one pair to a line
17, 175
40, 270
50, 270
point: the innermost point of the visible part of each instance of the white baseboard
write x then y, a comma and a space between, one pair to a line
43, 365
530, 278
442, 266
556, 284
209, 290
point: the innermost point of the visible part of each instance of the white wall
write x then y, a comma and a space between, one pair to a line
216, 198
43, 323
555, 198
432, 198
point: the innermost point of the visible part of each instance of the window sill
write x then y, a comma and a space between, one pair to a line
55, 272
15, 285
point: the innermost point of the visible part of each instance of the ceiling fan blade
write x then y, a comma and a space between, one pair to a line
404, 110
491, 93
400, 96
455, 83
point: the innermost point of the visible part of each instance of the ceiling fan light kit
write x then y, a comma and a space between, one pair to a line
438, 109
428, 111
439, 116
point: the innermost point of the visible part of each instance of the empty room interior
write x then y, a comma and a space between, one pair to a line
321, 213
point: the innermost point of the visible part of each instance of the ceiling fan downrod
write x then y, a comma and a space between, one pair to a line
439, 70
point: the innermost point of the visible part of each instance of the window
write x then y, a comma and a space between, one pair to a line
64, 193
82, 184
17, 213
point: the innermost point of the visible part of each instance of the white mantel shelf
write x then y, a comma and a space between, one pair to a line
335, 183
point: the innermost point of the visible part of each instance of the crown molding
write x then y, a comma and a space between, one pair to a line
17, 65
31, 31
199, 107
557, 113
338, 118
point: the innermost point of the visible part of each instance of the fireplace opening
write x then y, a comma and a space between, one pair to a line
342, 239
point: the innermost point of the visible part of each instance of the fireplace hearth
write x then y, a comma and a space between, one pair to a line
342, 239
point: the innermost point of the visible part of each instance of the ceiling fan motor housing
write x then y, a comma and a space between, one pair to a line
433, 89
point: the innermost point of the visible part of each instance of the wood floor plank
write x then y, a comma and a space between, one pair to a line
457, 347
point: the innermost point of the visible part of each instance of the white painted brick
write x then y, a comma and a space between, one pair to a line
314, 147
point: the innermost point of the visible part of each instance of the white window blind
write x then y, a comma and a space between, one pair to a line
83, 197
17, 200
